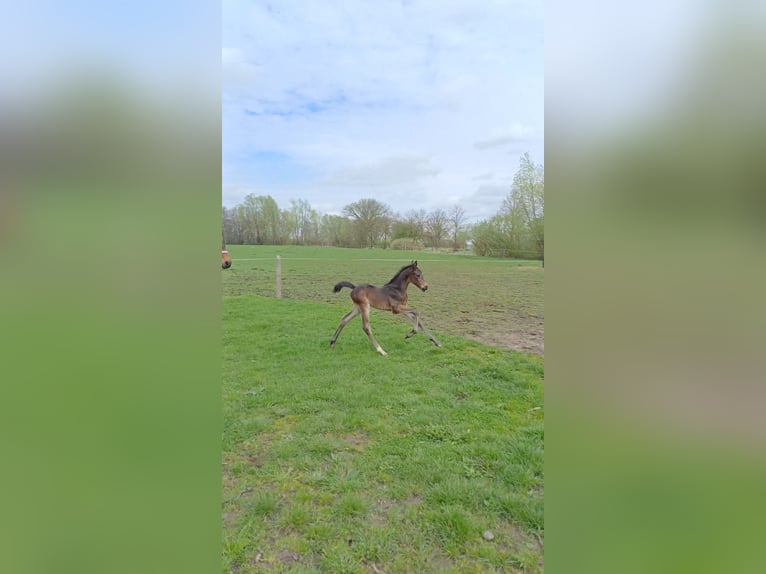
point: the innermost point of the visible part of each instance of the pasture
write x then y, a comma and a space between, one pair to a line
343, 461
493, 301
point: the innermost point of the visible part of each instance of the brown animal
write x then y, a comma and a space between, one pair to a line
391, 297
225, 257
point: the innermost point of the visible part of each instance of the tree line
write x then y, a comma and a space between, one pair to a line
516, 230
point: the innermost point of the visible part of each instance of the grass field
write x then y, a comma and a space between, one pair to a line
343, 461
494, 301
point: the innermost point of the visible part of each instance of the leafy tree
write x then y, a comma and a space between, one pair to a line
336, 230
257, 220
525, 203
286, 228
270, 217
370, 219
410, 226
239, 222
518, 229
229, 225
304, 222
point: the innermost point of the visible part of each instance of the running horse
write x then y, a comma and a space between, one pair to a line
225, 257
391, 297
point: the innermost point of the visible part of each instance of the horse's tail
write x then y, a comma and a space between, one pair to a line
341, 285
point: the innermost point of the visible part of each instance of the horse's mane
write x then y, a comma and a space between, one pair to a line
399, 273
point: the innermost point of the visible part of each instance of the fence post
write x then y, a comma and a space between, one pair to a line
279, 277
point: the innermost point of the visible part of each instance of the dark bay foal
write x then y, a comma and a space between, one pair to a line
391, 297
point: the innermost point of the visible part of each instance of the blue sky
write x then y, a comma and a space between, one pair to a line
420, 104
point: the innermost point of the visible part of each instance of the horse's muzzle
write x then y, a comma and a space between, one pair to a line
424, 289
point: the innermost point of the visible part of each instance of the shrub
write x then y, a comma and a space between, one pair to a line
406, 244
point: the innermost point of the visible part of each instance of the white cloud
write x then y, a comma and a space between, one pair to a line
411, 99
518, 134
390, 171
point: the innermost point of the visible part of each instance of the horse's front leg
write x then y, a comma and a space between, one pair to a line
401, 310
417, 325
414, 320
428, 333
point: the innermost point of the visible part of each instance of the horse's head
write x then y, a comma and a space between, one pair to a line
416, 277
225, 259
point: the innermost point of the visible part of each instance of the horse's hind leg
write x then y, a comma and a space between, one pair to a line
366, 329
343, 322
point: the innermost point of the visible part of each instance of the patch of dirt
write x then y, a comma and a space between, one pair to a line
499, 307
286, 556
379, 514
355, 441
495, 327
511, 537
414, 500
529, 340
256, 461
229, 481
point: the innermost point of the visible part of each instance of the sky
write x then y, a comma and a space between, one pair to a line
142, 42
418, 104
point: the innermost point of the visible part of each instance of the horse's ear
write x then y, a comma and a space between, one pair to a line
414, 263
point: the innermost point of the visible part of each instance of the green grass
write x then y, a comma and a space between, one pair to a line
494, 301
345, 461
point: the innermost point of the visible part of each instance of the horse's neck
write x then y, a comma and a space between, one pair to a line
402, 281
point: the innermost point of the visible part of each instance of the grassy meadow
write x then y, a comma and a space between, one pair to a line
343, 461
494, 301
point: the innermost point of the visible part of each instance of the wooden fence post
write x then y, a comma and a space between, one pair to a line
279, 277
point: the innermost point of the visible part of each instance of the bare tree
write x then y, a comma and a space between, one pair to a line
437, 224
456, 219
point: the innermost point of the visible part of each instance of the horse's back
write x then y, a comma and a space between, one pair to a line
383, 298
361, 292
